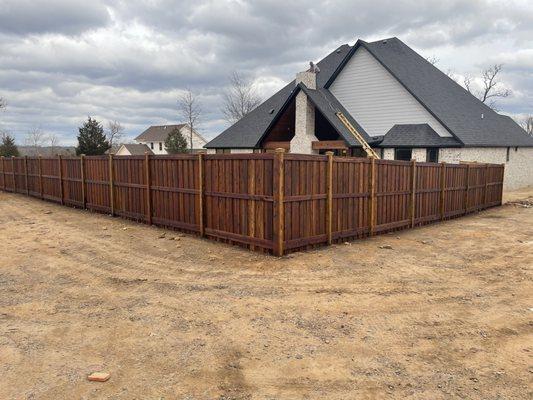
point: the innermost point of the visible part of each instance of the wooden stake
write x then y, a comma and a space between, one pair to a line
278, 186
442, 190
26, 175
329, 201
201, 194
372, 199
83, 189
111, 186
413, 193
148, 190
61, 178
467, 187
41, 178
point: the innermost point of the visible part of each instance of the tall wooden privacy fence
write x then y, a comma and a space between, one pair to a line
269, 202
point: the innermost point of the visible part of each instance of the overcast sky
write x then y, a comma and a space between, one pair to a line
62, 60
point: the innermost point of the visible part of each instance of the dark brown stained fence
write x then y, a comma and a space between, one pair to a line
271, 202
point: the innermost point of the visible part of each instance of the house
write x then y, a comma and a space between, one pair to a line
401, 104
155, 136
133, 149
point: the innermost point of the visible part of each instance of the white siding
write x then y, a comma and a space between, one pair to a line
376, 99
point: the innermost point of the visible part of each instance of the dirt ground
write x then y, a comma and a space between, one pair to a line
446, 313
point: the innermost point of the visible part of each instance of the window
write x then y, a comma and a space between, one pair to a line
152, 145
223, 151
403, 154
508, 155
432, 155
160, 146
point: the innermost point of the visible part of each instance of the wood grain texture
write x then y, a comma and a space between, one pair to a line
268, 202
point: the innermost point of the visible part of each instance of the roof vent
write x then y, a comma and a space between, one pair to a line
482, 115
384, 41
338, 50
271, 111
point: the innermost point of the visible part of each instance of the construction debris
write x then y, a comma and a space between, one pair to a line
99, 376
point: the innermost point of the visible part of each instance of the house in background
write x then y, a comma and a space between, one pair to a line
133, 149
401, 104
155, 136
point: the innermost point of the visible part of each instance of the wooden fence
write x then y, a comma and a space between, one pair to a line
272, 202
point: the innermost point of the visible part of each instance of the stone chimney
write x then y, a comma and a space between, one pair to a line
304, 130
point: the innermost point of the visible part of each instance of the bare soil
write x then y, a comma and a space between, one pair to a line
446, 313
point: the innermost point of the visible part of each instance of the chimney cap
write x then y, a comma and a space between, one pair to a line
313, 68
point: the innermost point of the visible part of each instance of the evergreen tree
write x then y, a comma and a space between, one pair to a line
92, 140
175, 142
8, 148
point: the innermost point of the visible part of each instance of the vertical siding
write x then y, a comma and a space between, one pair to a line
376, 99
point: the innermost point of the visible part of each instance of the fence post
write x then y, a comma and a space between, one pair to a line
111, 187
278, 187
372, 199
61, 178
3, 174
26, 175
501, 186
82, 170
13, 172
148, 190
41, 178
329, 201
485, 190
413, 193
442, 190
251, 202
201, 194
467, 187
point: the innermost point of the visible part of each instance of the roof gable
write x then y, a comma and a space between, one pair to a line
248, 131
416, 135
465, 116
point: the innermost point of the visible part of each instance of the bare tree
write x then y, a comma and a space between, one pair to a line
239, 99
53, 143
491, 89
3, 103
35, 137
433, 60
115, 131
527, 124
190, 110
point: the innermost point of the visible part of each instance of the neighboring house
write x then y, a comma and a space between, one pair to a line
401, 104
155, 136
133, 149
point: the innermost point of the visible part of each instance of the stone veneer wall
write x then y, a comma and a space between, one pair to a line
518, 170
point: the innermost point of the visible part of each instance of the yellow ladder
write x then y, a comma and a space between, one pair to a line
366, 147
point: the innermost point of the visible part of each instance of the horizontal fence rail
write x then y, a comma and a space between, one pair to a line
271, 202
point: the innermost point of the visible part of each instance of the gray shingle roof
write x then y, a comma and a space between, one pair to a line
157, 133
328, 105
247, 132
455, 108
451, 104
416, 135
137, 149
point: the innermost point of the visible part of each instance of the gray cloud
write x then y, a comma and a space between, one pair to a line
128, 60
51, 16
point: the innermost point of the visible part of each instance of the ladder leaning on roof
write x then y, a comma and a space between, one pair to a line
366, 147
